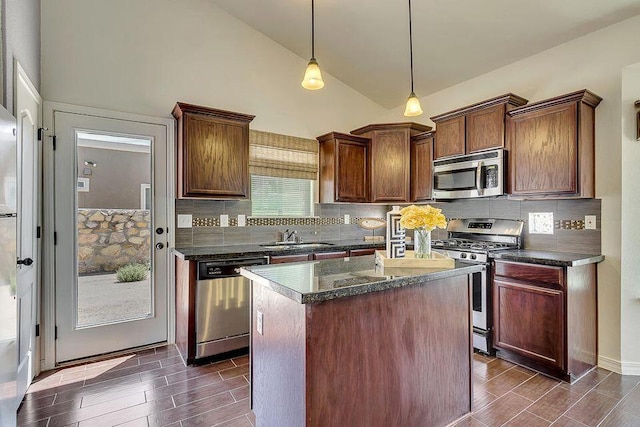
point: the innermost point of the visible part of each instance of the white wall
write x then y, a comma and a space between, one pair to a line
142, 56
595, 62
21, 27
630, 289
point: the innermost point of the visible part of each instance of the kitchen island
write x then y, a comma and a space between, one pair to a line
343, 343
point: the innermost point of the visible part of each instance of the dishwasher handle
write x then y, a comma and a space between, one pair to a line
226, 268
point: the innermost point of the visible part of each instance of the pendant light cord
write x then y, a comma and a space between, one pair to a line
313, 30
410, 45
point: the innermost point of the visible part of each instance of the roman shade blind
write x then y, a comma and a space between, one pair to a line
283, 156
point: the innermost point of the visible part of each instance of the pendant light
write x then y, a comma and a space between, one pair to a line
413, 104
312, 76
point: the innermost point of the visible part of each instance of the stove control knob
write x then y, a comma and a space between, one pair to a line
472, 256
463, 255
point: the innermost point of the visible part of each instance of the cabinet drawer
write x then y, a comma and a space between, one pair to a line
329, 255
530, 272
281, 259
360, 252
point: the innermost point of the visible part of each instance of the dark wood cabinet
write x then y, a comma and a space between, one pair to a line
474, 128
421, 159
390, 159
545, 317
213, 152
362, 252
552, 147
330, 255
344, 168
282, 259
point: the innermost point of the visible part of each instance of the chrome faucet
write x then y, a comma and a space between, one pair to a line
289, 236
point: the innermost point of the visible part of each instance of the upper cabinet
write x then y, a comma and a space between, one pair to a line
473, 128
551, 147
213, 152
344, 168
421, 160
390, 153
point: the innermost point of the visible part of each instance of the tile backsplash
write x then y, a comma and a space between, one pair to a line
328, 224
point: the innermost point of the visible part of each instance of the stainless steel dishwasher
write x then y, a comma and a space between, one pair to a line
222, 306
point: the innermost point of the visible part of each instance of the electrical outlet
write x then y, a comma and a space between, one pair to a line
259, 322
541, 223
242, 220
589, 222
185, 221
347, 219
224, 220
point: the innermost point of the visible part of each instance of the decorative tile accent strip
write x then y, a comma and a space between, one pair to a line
569, 224
266, 222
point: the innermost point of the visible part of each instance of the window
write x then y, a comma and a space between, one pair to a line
283, 172
276, 196
145, 196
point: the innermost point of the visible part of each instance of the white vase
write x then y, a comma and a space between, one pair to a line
395, 234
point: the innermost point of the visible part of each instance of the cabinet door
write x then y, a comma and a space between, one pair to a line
282, 259
215, 157
390, 151
421, 175
352, 171
529, 320
485, 129
450, 137
362, 252
330, 255
543, 156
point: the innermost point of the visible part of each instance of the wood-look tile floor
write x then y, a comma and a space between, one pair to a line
153, 388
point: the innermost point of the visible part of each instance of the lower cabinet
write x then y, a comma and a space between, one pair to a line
282, 259
545, 317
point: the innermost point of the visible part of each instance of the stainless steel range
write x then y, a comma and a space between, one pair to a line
473, 240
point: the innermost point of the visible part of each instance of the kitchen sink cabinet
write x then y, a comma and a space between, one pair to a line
330, 255
390, 153
551, 147
213, 152
344, 168
282, 259
421, 159
474, 128
545, 317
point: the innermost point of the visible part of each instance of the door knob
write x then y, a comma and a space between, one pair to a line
26, 261
159, 245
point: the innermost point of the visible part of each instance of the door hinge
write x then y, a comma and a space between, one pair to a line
55, 238
55, 333
38, 232
37, 330
41, 132
55, 140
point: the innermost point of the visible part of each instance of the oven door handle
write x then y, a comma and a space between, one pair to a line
479, 188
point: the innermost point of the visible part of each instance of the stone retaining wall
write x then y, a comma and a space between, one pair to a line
111, 238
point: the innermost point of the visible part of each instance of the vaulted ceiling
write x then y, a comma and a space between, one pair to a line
365, 43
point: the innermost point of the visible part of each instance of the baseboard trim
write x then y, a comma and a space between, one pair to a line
610, 364
623, 368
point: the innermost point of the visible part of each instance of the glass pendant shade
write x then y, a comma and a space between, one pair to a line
413, 106
312, 76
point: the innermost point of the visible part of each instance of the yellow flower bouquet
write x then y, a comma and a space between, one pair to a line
422, 219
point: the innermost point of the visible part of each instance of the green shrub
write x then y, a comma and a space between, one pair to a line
132, 273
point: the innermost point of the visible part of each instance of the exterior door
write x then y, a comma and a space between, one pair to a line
111, 253
28, 111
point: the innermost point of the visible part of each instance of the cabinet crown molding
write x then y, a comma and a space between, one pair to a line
423, 135
343, 136
583, 95
508, 98
183, 107
412, 126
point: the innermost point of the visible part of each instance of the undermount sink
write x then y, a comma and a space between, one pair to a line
293, 245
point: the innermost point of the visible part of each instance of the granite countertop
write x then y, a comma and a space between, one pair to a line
317, 281
558, 259
254, 249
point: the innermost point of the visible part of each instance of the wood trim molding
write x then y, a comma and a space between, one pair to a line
583, 95
182, 107
508, 98
423, 135
342, 136
386, 126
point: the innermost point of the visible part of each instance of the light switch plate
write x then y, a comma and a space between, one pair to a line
541, 223
185, 220
224, 220
259, 322
242, 220
347, 219
589, 222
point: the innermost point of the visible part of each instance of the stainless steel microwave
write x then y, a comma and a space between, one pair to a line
473, 175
